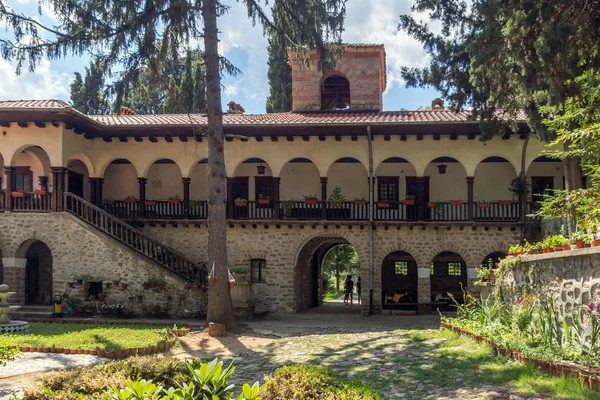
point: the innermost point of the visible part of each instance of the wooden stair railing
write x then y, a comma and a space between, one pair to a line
134, 239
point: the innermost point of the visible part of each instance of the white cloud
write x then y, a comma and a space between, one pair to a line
44, 83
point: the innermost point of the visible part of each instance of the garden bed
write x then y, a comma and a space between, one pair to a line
111, 341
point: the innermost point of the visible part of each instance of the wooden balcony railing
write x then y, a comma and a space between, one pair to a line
136, 240
31, 202
444, 211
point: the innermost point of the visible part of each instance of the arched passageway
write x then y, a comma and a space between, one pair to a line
448, 274
308, 273
492, 259
399, 278
38, 271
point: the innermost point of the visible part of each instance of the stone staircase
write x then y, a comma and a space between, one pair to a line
35, 311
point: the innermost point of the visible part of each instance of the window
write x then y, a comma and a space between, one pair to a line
95, 289
387, 188
263, 187
23, 179
257, 270
432, 268
401, 268
454, 269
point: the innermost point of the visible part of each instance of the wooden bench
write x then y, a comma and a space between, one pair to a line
417, 306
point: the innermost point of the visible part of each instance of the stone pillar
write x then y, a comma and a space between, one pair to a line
14, 277
424, 289
421, 206
186, 197
276, 208
230, 198
96, 191
58, 177
10, 184
471, 278
471, 202
43, 180
324, 198
142, 192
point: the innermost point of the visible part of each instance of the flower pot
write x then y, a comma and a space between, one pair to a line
94, 352
335, 205
550, 249
383, 204
130, 201
596, 243
212, 280
456, 203
264, 201
240, 204
579, 244
115, 283
17, 194
154, 284
505, 202
124, 286
310, 201
174, 201
231, 284
408, 202
431, 204
87, 285
108, 203
65, 296
360, 202
41, 192
558, 248
566, 247
150, 203
483, 205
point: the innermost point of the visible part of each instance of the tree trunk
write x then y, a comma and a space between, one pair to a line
337, 276
523, 197
573, 179
220, 307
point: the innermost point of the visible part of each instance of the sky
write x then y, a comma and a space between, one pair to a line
367, 21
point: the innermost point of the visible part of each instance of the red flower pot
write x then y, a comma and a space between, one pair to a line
580, 244
240, 204
505, 202
18, 194
431, 204
174, 201
383, 204
310, 201
212, 281
41, 192
360, 202
456, 203
264, 201
483, 205
566, 247
130, 201
231, 284
596, 243
408, 202
150, 203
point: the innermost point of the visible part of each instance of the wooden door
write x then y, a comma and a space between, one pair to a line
412, 190
541, 185
75, 181
240, 191
32, 281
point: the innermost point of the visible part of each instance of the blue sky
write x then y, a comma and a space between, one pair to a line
368, 21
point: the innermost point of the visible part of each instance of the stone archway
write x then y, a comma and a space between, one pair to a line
448, 274
308, 273
38, 271
399, 277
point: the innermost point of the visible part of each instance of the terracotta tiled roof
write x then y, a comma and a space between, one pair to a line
33, 104
274, 119
289, 118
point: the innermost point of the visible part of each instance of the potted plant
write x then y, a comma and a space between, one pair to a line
115, 282
311, 199
431, 204
337, 198
579, 239
130, 200
287, 206
518, 187
174, 199
86, 281
241, 202
484, 274
559, 242
383, 204
150, 203
409, 200
505, 202
264, 199
483, 204
65, 295
41, 192
456, 203
360, 202
241, 272
155, 309
18, 194
107, 202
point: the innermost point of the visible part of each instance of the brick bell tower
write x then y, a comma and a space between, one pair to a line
356, 83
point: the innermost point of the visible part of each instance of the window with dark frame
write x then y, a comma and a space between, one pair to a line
257, 270
23, 179
454, 269
263, 187
401, 267
387, 188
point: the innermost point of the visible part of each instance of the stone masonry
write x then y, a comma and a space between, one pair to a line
79, 250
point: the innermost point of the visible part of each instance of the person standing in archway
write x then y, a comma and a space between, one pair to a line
349, 288
358, 288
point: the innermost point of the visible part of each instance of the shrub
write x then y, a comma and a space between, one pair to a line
8, 354
299, 382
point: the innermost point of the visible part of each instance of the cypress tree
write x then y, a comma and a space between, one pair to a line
187, 86
199, 89
280, 76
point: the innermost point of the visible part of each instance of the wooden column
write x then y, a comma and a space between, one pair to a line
470, 181
276, 208
186, 197
324, 198
96, 191
10, 184
142, 198
58, 179
421, 206
230, 198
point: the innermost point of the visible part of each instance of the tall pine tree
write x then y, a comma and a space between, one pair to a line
280, 74
187, 85
199, 89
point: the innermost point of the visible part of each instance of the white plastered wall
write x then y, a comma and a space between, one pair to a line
449, 186
352, 178
299, 180
164, 181
120, 181
492, 180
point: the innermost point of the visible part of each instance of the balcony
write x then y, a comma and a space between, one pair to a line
498, 211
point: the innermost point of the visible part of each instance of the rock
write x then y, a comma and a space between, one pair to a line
216, 330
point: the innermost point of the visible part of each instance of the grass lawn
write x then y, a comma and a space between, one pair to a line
87, 336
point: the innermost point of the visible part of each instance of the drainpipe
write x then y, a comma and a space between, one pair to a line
371, 203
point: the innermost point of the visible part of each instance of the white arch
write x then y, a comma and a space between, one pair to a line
102, 169
239, 164
150, 164
80, 156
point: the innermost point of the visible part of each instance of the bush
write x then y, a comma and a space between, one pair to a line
299, 382
8, 354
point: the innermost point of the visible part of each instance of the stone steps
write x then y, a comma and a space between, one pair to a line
32, 312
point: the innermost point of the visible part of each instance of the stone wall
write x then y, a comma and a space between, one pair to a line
79, 250
288, 250
571, 277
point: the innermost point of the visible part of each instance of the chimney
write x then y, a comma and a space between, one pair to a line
235, 108
437, 104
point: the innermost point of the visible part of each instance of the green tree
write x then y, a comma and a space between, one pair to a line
87, 95
173, 104
340, 260
199, 89
133, 36
280, 75
187, 85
